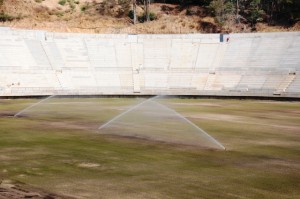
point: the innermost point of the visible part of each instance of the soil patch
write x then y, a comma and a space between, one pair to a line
69, 125
6, 114
153, 142
18, 190
239, 119
88, 165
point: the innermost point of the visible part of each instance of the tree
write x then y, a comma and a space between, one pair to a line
255, 12
222, 9
134, 11
147, 10
237, 12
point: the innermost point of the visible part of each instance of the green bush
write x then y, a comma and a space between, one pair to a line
189, 12
130, 14
143, 18
5, 17
62, 2
84, 8
59, 13
152, 16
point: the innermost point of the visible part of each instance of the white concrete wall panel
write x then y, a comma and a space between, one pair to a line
180, 80
290, 57
267, 52
39, 54
183, 54
73, 52
156, 53
156, 80
227, 80
108, 79
54, 55
199, 80
206, 54
252, 81
123, 55
15, 53
237, 53
294, 87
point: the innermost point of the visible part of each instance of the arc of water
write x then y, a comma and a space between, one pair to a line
194, 125
129, 110
33, 105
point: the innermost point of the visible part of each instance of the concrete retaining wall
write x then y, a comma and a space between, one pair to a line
44, 63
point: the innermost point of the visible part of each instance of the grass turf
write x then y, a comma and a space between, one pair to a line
262, 158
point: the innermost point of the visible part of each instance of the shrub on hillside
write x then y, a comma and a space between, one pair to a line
152, 17
116, 8
142, 17
62, 2
131, 14
5, 17
84, 7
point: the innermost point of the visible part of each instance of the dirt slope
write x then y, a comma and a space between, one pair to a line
85, 16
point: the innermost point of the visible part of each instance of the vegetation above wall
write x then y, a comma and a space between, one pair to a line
145, 16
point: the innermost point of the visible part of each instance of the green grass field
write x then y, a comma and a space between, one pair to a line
56, 147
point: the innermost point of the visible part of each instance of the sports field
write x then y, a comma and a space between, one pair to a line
57, 147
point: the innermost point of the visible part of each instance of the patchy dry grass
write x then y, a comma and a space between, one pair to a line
84, 16
262, 158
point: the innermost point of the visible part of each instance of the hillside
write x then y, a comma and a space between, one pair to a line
100, 16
